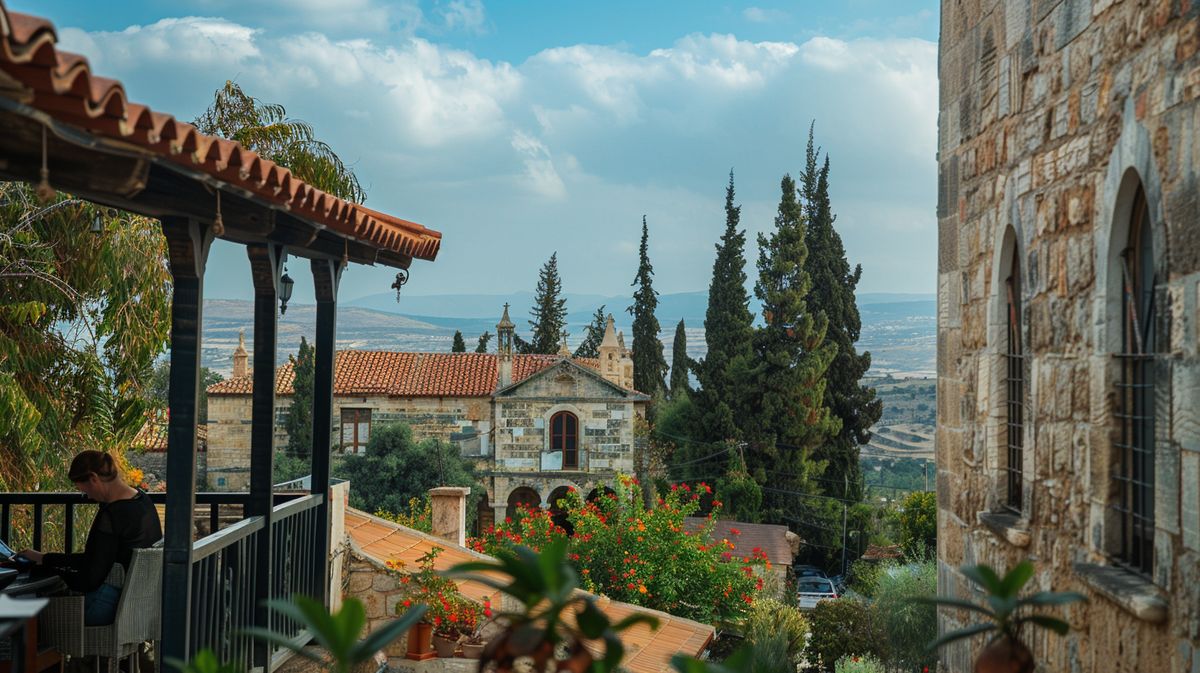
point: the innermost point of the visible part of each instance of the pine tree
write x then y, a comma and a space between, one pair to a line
728, 332
833, 286
649, 365
590, 348
484, 338
789, 416
549, 310
299, 420
681, 364
459, 346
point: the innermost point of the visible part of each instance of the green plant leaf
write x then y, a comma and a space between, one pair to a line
1053, 598
1016, 578
525, 639
985, 577
592, 622
633, 620
382, 637
280, 640
614, 651
1053, 623
960, 634
956, 603
349, 621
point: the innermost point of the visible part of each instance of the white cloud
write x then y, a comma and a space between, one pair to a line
465, 15
760, 15
579, 140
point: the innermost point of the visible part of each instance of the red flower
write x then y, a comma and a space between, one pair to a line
734, 531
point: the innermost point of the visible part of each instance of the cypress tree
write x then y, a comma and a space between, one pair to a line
549, 310
681, 364
459, 346
833, 286
482, 346
728, 331
590, 348
649, 365
299, 420
789, 416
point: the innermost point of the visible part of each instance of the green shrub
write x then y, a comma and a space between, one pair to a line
863, 577
857, 664
769, 618
840, 628
907, 624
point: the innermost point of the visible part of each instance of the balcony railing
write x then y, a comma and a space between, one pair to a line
226, 573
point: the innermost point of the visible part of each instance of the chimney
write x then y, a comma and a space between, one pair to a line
449, 513
240, 357
504, 350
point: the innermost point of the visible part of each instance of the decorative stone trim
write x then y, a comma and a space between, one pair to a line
1007, 526
1136, 594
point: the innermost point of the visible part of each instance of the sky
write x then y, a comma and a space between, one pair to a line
523, 128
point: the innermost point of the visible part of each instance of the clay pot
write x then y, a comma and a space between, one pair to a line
473, 650
1005, 655
419, 648
444, 646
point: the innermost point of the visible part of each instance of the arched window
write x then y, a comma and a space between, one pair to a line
1135, 393
523, 496
564, 437
1014, 388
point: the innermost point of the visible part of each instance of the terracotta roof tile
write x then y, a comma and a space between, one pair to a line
771, 538
153, 434
402, 374
62, 85
646, 650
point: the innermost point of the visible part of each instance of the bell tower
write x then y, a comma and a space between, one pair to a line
504, 350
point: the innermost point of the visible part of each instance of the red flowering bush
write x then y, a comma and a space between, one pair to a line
451, 613
644, 556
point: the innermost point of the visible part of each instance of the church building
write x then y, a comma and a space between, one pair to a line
536, 425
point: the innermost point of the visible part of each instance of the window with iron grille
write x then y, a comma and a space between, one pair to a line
1014, 391
1134, 475
356, 430
564, 437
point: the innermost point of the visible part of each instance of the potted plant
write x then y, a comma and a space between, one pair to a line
473, 644
1006, 613
450, 615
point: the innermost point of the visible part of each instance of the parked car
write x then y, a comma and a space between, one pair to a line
808, 571
813, 590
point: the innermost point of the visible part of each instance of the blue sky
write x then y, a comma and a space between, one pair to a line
523, 128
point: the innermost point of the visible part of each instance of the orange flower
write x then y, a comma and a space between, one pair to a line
642, 588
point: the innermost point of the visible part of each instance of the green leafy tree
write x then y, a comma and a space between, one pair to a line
482, 346
842, 627
299, 420
459, 346
549, 310
728, 332
649, 365
83, 316
265, 128
681, 364
786, 414
916, 520
160, 383
908, 623
590, 348
833, 286
396, 468
741, 494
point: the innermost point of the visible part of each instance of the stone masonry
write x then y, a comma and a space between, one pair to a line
1052, 112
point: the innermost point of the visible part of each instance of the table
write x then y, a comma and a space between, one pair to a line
18, 617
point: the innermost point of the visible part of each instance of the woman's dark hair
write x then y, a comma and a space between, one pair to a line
89, 462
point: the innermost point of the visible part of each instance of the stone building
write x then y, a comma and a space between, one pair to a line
535, 424
1068, 272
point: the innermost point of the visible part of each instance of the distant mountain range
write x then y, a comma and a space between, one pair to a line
899, 329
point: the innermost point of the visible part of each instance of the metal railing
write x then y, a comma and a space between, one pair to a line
293, 533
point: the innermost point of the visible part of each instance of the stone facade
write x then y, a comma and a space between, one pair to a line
1053, 113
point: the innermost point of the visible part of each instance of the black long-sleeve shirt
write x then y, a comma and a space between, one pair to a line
120, 527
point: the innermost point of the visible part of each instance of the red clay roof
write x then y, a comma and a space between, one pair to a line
153, 434
62, 85
408, 374
771, 538
646, 650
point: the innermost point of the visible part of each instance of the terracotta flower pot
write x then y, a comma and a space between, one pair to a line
473, 650
419, 648
1005, 656
444, 646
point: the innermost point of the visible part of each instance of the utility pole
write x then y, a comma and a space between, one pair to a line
925, 465
843, 539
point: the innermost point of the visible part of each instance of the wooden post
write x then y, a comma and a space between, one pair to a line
265, 262
187, 243
326, 276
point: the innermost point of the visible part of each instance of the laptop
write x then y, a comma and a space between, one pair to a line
9, 558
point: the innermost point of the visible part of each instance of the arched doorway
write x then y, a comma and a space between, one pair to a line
523, 495
558, 513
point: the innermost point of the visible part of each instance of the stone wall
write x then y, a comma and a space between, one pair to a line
154, 465
1050, 112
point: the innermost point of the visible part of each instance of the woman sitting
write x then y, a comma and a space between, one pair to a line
126, 520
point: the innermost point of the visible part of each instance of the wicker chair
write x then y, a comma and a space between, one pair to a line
137, 621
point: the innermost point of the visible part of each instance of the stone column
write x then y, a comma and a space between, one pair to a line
449, 505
